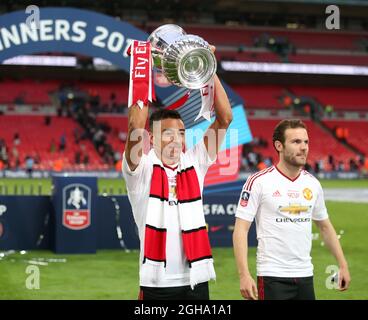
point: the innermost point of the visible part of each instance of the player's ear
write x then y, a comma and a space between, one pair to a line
278, 145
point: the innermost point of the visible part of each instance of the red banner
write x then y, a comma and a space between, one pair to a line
141, 88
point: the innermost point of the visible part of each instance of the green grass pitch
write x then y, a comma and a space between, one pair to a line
113, 274
24, 186
11, 186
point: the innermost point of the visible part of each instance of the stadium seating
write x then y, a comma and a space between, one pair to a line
357, 132
36, 139
361, 60
345, 98
309, 58
117, 124
30, 91
322, 143
38, 92
260, 96
104, 90
266, 96
305, 39
247, 56
339, 45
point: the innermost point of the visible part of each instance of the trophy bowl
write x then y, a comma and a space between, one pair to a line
186, 60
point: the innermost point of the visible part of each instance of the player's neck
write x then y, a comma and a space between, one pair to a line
170, 164
290, 171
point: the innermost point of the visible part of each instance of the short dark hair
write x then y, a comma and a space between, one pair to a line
282, 126
163, 114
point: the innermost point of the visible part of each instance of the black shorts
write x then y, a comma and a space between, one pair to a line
200, 292
275, 288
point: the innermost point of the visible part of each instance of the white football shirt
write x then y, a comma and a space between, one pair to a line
283, 210
138, 184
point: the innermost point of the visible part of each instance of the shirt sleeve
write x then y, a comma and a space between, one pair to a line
199, 155
135, 179
320, 211
249, 201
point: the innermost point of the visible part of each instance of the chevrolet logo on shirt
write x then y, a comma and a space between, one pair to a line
294, 208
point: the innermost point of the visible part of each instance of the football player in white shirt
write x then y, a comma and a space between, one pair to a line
168, 141
284, 199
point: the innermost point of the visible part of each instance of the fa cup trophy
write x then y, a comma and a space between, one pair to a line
186, 60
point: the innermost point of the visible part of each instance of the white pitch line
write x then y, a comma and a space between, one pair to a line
347, 195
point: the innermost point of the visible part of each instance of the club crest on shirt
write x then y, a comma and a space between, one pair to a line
244, 198
308, 194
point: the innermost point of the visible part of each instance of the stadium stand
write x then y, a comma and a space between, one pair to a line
36, 139
118, 130
267, 96
304, 39
29, 91
243, 43
322, 144
105, 89
302, 46
343, 98
260, 96
356, 133
342, 59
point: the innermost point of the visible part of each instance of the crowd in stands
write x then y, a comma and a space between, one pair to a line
253, 160
10, 158
305, 105
83, 107
252, 156
360, 164
341, 133
70, 97
280, 45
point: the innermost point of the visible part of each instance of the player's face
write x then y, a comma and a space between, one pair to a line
296, 147
169, 140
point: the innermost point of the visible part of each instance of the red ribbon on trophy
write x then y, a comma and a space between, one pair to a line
141, 88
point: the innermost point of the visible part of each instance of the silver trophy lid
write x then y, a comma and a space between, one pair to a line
165, 35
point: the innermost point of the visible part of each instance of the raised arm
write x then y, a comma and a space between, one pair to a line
215, 134
137, 119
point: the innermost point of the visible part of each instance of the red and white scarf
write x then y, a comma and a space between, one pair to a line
196, 243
